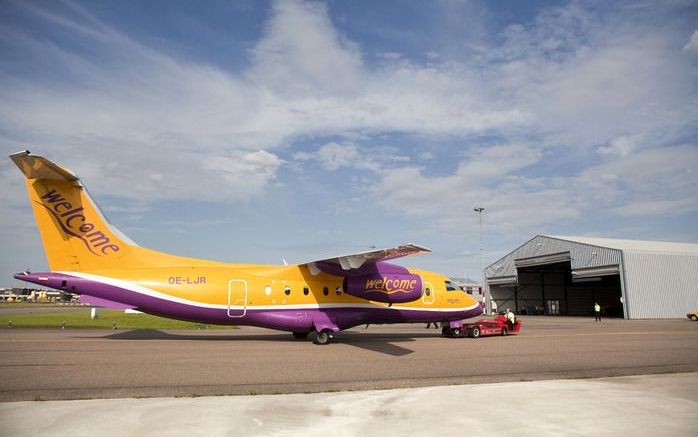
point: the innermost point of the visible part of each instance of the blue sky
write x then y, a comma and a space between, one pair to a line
251, 131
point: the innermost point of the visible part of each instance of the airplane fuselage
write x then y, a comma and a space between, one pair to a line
288, 298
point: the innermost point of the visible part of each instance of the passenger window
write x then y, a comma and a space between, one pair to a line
306, 290
287, 290
325, 291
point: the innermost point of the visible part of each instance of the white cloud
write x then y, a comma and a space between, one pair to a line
497, 161
302, 53
666, 208
567, 83
305, 79
692, 44
253, 171
444, 197
13, 195
586, 80
426, 156
620, 146
334, 156
644, 182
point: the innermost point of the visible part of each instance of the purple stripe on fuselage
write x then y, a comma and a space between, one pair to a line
278, 318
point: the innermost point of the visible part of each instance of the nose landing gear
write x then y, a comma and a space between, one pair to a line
455, 332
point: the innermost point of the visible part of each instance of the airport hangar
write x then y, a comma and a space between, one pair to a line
565, 276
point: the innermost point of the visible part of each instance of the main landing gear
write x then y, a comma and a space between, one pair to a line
321, 338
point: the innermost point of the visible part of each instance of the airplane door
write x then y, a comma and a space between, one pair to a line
237, 298
429, 294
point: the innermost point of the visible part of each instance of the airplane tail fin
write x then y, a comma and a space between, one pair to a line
75, 233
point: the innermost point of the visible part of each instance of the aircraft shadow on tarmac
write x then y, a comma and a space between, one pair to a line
376, 342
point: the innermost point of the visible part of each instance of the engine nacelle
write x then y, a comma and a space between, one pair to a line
388, 288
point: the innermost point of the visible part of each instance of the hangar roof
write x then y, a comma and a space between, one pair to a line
636, 245
583, 253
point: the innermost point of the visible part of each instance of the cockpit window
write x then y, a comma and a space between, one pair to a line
450, 286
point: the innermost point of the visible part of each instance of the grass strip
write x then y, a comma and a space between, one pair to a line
32, 304
106, 319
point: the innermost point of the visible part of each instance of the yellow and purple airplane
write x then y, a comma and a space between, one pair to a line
90, 257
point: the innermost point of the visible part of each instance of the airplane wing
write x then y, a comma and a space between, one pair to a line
355, 261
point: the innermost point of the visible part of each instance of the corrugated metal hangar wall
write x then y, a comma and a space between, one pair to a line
567, 275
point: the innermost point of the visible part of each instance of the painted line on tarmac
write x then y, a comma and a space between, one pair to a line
34, 340
596, 334
38, 365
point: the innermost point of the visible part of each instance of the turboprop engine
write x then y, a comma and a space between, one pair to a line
388, 288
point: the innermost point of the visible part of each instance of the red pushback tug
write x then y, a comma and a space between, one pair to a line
487, 327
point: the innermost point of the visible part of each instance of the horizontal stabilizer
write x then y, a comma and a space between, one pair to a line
38, 167
104, 303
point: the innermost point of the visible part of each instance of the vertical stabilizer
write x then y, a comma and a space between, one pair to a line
75, 234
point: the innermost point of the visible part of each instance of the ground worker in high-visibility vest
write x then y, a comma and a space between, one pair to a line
597, 312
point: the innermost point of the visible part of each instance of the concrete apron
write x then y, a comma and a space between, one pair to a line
648, 405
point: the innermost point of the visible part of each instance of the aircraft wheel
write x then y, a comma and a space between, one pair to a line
300, 335
694, 317
475, 332
322, 338
456, 332
445, 332
504, 332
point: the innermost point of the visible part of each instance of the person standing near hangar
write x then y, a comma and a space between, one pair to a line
511, 318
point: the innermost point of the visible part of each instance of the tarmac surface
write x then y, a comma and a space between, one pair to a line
648, 405
85, 364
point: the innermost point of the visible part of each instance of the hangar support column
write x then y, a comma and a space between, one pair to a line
542, 291
623, 294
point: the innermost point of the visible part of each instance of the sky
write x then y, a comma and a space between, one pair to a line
253, 131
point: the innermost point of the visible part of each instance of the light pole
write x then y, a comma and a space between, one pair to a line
479, 210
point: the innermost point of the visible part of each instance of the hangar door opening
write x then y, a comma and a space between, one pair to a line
552, 289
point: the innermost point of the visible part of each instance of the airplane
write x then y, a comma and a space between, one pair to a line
88, 256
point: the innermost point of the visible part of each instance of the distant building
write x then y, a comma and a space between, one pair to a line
17, 294
470, 286
565, 276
